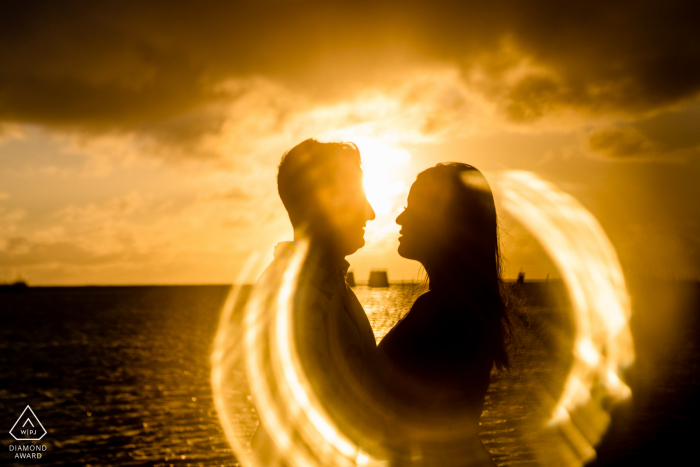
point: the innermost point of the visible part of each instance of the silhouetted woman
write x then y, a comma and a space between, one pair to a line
436, 362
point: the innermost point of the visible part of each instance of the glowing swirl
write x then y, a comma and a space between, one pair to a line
601, 307
300, 431
255, 357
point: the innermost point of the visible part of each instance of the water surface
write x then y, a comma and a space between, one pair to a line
120, 375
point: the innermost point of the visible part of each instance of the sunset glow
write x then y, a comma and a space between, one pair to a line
146, 148
384, 166
155, 163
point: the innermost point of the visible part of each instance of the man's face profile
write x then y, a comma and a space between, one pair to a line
345, 208
321, 186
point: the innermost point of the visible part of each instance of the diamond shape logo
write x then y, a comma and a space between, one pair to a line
28, 427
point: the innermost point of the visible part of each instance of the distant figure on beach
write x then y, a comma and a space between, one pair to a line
433, 368
321, 187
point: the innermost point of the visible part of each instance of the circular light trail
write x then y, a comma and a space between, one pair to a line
600, 303
254, 354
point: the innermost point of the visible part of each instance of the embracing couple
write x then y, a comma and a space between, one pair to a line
417, 396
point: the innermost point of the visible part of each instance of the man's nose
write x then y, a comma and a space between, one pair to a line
370, 212
398, 218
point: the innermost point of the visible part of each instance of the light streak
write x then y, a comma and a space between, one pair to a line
601, 307
303, 434
301, 431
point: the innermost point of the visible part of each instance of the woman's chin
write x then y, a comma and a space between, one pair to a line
403, 252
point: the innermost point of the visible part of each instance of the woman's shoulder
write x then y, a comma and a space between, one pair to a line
436, 298
444, 305
440, 332
439, 316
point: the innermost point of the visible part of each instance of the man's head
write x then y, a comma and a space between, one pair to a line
320, 185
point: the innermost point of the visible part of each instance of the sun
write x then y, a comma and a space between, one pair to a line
383, 166
386, 185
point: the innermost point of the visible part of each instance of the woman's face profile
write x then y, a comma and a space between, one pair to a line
422, 222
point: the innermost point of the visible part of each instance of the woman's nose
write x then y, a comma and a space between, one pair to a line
399, 218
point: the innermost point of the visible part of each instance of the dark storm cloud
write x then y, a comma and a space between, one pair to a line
150, 66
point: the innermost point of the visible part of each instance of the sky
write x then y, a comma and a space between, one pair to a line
139, 141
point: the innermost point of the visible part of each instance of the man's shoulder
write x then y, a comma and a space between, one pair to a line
315, 286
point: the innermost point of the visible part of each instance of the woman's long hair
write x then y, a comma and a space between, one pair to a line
467, 257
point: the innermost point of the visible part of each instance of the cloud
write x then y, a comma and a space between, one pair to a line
156, 68
623, 142
10, 217
140, 231
93, 215
233, 194
10, 131
236, 222
20, 251
262, 119
670, 136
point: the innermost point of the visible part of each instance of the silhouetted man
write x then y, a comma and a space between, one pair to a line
321, 187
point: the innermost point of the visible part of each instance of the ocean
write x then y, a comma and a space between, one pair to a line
120, 375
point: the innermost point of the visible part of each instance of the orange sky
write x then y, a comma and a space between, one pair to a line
139, 141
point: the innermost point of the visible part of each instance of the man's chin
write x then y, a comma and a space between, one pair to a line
352, 248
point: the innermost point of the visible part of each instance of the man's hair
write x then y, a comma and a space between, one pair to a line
308, 168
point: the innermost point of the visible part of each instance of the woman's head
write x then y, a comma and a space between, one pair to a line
450, 217
450, 226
